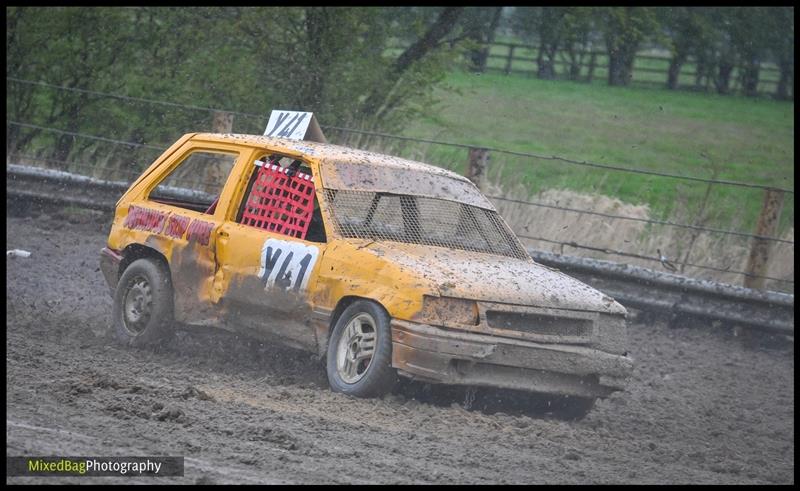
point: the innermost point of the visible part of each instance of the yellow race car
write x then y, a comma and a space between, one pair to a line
381, 265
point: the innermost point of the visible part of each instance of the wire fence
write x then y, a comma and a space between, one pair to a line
114, 163
499, 198
644, 220
262, 117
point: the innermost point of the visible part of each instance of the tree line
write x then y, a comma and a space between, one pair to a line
719, 39
342, 63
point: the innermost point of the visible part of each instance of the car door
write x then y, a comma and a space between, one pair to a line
180, 210
266, 263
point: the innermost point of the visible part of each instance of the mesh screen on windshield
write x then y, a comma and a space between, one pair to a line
418, 220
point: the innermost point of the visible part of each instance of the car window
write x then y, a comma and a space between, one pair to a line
281, 198
196, 182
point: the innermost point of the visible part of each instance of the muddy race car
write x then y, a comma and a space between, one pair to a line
382, 266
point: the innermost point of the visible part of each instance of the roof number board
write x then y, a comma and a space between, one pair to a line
294, 125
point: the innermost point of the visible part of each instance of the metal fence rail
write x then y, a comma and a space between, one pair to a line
632, 286
646, 289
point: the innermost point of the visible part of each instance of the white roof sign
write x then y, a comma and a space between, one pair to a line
294, 125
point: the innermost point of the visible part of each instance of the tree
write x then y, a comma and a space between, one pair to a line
687, 31
739, 38
749, 35
342, 63
480, 25
313, 58
780, 33
624, 29
68, 46
336, 62
577, 39
413, 72
545, 26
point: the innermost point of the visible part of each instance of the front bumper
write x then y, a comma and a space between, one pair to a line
109, 265
440, 355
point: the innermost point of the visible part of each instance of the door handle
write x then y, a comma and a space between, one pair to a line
223, 233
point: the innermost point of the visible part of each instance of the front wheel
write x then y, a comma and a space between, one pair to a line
359, 358
143, 305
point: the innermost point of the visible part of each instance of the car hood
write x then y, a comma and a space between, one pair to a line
493, 278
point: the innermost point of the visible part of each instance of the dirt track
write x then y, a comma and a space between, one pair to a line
700, 408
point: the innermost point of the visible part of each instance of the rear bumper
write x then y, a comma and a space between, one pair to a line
109, 265
439, 355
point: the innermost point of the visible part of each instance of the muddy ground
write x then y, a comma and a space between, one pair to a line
701, 407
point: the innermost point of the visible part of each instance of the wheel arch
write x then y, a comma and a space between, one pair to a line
345, 302
133, 252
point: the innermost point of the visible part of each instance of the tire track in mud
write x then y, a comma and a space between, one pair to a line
700, 407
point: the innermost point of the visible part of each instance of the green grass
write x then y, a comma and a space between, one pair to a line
678, 132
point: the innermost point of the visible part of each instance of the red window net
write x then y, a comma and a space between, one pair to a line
279, 203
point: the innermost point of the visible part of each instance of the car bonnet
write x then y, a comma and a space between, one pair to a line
494, 278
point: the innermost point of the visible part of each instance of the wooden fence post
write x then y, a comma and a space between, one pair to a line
767, 226
476, 167
510, 58
222, 122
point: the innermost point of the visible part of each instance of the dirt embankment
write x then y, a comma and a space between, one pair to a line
701, 407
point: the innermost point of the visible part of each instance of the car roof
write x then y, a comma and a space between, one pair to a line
330, 152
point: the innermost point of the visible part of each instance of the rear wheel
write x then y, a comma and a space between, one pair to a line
359, 358
143, 305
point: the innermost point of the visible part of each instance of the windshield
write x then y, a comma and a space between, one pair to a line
421, 220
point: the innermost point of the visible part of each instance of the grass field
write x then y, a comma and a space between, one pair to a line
678, 132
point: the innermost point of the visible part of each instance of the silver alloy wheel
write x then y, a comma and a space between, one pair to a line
356, 347
138, 306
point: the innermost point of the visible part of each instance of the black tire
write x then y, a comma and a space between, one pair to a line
143, 304
377, 377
